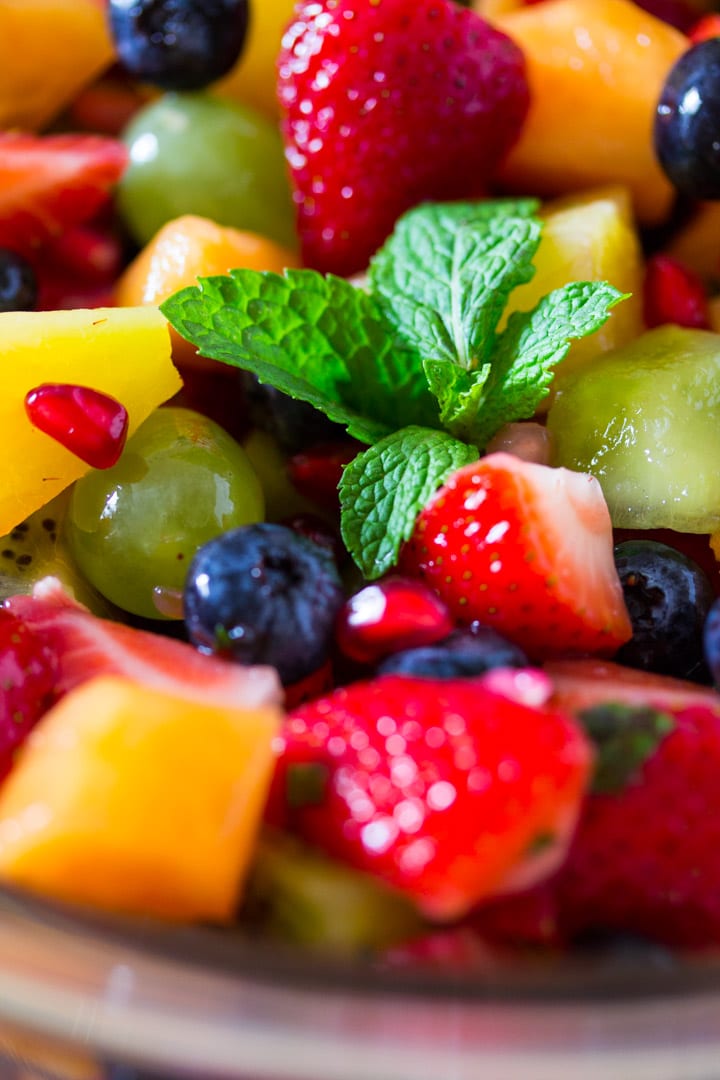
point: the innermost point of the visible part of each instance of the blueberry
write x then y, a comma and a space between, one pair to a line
263, 594
688, 121
711, 641
463, 654
18, 287
178, 44
668, 598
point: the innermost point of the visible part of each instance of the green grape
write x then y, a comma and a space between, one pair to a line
134, 528
195, 154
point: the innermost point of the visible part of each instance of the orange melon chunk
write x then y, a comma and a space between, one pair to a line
132, 800
596, 69
49, 50
122, 352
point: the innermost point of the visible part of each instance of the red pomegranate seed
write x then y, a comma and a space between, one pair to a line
394, 614
89, 424
674, 294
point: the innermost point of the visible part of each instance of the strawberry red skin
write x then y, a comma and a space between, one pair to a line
673, 293
49, 183
28, 673
441, 788
387, 104
647, 859
500, 543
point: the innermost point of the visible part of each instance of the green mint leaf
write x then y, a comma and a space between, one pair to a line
445, 284
526, 354
383, 490
625, 736
315, 338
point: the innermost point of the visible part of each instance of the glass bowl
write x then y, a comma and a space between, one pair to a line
84, 997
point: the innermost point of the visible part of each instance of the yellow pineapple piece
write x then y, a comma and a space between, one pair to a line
253, 80
129, 799
124, 352
589, 237
49, 50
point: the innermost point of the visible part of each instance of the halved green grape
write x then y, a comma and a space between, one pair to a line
645, 420
195, 154
134, 529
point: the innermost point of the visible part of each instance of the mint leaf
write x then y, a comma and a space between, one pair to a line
315, 338
445, 285
383, 490
525, 356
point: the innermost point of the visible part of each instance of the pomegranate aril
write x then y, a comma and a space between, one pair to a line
89, 424
674, 294
391, 615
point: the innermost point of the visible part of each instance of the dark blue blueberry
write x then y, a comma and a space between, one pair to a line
711, 641
668, 598
178, 44
263, 594
463, 654
687, 122
18, 287
295, 425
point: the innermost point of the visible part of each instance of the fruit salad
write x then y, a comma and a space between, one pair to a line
360, 516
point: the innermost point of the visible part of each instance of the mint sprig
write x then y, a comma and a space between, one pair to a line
414, 364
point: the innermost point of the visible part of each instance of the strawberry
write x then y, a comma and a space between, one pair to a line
646, 855
527, 550
447, 790
673, 293
49, 183
387, 104
706, 27
28, 669
86, 646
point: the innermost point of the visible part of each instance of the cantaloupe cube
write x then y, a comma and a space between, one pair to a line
122, 352
590, 237
596, 69
132, 800
49, 50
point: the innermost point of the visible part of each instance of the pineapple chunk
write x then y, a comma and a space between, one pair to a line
122, 352
129, 799
589, 237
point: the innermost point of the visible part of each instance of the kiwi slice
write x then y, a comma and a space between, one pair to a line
645, 420
36, 548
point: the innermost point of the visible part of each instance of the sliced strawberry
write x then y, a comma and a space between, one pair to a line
581, 684
49, 183
28, 673
527, 550
447, 790
86, 645
385, 105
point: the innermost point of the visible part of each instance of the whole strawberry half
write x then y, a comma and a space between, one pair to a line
447, 790
528, 550
387, 103
646, 855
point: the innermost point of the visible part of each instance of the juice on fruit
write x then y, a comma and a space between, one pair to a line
360, 505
